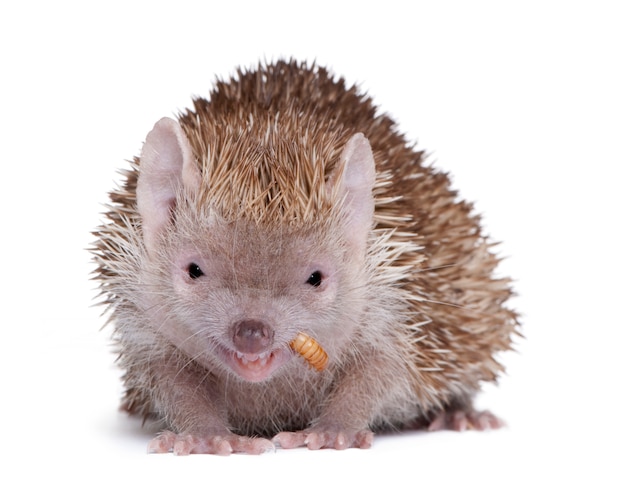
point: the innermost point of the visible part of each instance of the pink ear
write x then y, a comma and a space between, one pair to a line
165, 166
354, 180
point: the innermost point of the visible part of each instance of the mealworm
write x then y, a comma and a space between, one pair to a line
310, 350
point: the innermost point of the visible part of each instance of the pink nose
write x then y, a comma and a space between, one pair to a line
252, 336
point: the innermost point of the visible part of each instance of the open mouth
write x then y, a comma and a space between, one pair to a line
256, 367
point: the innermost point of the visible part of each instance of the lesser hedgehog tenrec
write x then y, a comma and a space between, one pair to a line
285, 203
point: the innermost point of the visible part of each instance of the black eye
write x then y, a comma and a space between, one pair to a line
194, 271
315, 279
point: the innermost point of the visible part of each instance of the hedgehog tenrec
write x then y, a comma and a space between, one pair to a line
286, 203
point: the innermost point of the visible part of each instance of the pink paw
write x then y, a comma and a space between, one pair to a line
315, 439
460, 420
186, 444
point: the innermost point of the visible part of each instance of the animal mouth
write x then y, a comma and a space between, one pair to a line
256, 367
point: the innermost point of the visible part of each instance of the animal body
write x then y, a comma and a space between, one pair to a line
286, 204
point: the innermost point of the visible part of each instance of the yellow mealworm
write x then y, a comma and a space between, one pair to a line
310, 350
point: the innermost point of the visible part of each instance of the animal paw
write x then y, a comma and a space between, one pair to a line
186, 444
459, 420
316, 438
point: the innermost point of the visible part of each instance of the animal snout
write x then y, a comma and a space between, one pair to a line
252, 336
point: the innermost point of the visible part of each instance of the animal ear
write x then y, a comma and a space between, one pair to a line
165, 166
353, 181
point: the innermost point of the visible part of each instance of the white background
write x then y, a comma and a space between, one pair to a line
523, 102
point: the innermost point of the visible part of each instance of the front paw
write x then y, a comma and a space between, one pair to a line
318, 438
186, 444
